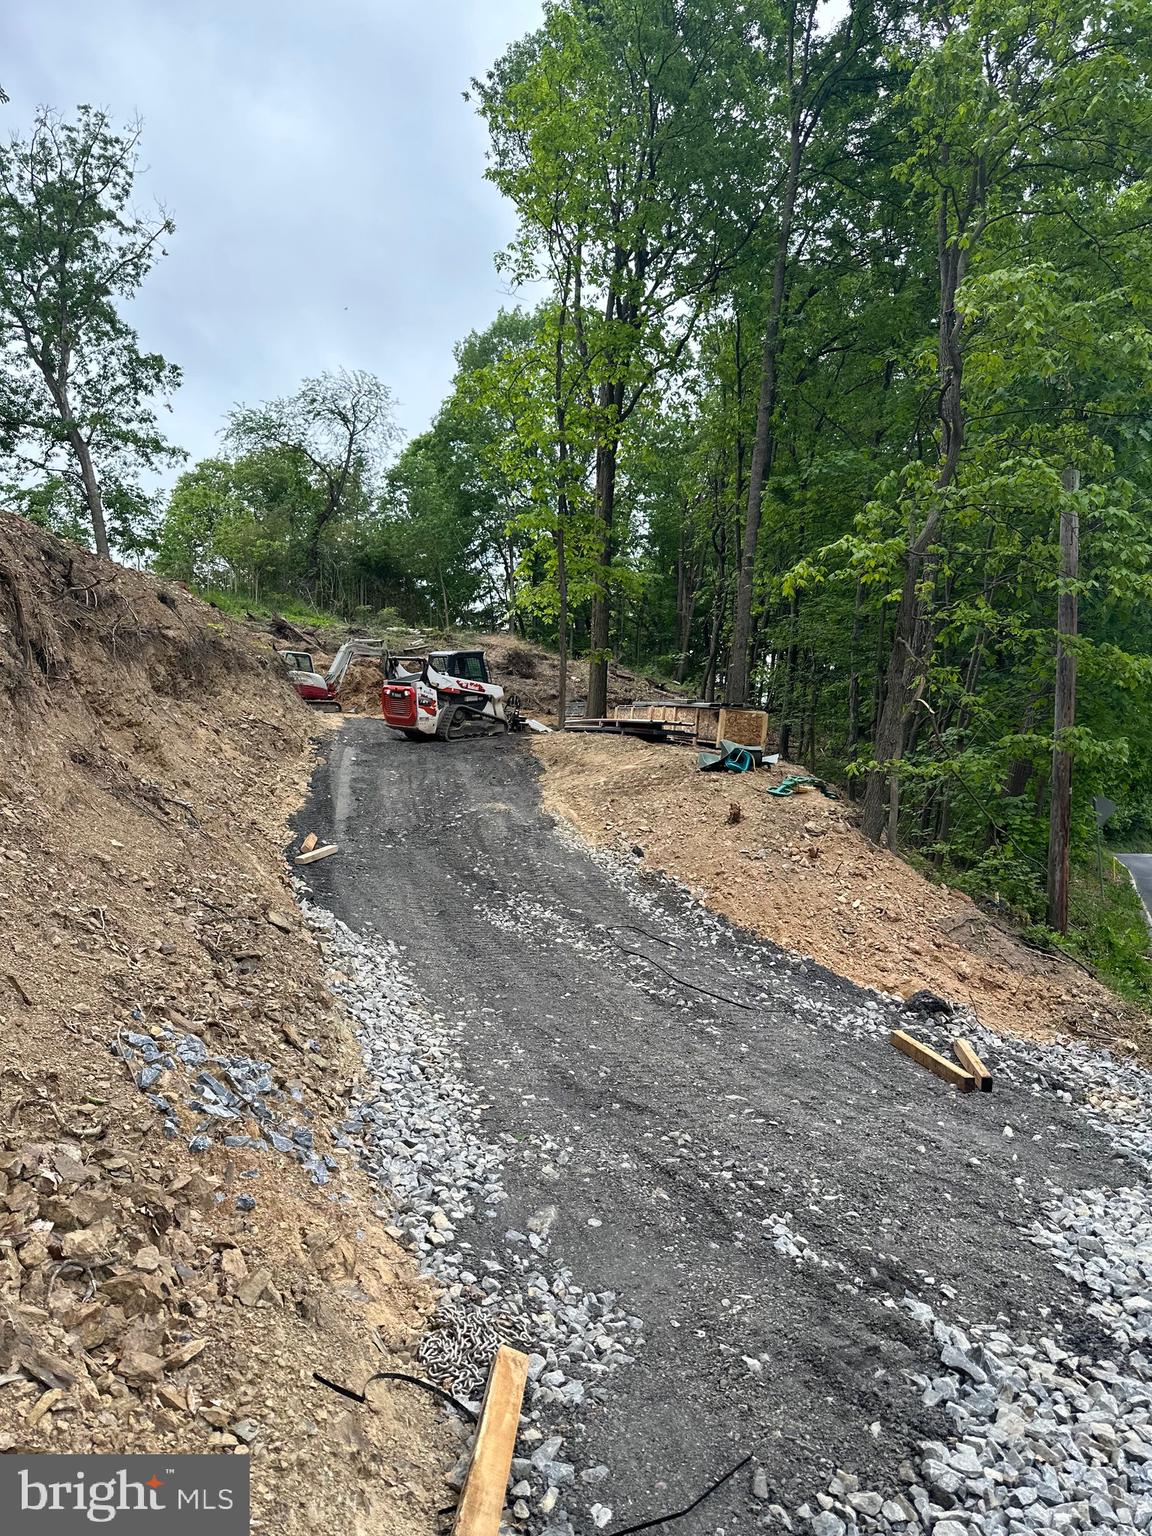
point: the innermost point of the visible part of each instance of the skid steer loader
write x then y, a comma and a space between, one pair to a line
444, 696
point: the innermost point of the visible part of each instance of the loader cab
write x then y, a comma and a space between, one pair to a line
468, 664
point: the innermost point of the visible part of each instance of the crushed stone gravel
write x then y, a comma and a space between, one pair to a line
1041, 1424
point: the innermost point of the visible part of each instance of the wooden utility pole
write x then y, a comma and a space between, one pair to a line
1060, 816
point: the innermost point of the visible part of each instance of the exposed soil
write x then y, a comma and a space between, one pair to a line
151, 757
532, 672
796, 870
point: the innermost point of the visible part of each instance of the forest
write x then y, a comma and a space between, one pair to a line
829, 393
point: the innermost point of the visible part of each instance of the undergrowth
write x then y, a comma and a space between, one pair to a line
1109, 929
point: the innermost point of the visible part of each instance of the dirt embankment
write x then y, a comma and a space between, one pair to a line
533, 673
796, 870
162, 1287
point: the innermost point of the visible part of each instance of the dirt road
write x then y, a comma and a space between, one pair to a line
713, 1095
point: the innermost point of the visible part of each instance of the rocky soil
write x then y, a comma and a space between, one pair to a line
183, 1240
797, 871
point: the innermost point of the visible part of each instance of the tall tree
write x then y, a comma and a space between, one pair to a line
819, 75
998, 109
624, 133
341, 423
75, 388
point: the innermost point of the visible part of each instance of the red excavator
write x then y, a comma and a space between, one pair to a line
320, 689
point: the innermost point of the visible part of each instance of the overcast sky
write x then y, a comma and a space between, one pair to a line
325, 176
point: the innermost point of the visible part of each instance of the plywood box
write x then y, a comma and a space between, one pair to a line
749, 727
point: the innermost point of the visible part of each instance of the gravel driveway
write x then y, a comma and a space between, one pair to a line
718, 1136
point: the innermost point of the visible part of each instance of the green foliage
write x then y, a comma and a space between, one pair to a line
75, 387
1111, 931
899, 260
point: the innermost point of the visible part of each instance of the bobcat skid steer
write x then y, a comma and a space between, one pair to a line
446, 695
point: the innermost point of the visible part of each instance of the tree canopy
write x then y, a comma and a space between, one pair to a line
834, 344
76, 389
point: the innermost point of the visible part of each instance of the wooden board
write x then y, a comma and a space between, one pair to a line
486, 1485
968, 1059
317, 853
309, 843
926, 1057
747, 726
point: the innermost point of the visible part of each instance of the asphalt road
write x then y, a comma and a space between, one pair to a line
691, 1121
1140, 867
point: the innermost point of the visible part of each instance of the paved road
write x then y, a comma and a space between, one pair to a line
692, 1121
1140, 867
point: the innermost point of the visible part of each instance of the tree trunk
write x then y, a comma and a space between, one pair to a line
854, 673
687, 576
791, 657
911, 640
736, 684
601, 598
1060, 813
561, 617
92, 494
708, 689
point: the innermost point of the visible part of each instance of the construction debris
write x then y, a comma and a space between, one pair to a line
939, 1065
309, 843
799, 783
731, 757
314, 854
482, 1501
702, 724
968, 1059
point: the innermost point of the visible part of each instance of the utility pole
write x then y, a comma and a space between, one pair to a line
1060, 816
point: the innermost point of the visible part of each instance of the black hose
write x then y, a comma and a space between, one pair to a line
647, 1525
415, 1381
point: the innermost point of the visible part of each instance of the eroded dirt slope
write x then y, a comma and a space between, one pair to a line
162, 1287
797, 871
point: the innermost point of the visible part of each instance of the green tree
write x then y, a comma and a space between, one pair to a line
1012, 116
242, 523
341, 424
75, 388
626, 134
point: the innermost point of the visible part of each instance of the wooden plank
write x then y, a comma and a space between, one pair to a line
926, 1057
309, 843
318, 853
747, 726
486, 1485
968, 1059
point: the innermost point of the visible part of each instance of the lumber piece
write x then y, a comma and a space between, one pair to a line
309, 843
935, 1063
318, 853
968, 1059
486, 1485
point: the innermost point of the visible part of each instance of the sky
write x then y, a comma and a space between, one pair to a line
324, 173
